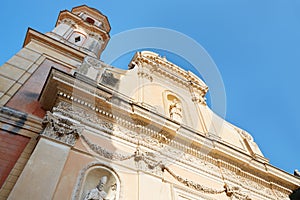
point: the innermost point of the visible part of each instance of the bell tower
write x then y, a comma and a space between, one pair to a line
84, 28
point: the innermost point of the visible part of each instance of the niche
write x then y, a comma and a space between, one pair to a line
174, 107
100, 183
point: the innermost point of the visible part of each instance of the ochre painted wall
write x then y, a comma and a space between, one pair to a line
11, 147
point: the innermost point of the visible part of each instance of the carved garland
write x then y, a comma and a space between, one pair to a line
139, 156
61, 129
147, 158
152, 140
82, 115
192, 184
62, 108
103, 152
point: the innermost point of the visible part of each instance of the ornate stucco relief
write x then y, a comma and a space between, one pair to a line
61, 128
235, 177
138, 134
148, 138
165, 69
146, 161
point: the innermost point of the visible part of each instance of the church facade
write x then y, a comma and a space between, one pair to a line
74, 127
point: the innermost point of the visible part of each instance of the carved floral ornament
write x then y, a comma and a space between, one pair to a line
151, 163
62, 126
182, 77
149, 159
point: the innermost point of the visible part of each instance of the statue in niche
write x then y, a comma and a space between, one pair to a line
98, 193
175, 110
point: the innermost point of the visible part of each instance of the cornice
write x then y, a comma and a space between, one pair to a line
160, 67
169, 70
244, 167
19, 123
33, 35
133, 133
94, 12
68, 15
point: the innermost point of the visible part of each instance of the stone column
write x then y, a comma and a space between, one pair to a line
43, 170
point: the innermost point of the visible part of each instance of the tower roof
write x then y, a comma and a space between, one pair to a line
95, 13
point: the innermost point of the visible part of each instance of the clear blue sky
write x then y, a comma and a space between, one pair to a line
255, 44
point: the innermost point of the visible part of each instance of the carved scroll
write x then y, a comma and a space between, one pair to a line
61, 129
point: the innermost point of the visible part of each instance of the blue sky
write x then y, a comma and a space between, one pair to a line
254, 43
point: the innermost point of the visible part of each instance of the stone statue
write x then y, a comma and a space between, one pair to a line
175, 111
98, 193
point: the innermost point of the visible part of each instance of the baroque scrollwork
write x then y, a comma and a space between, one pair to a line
145, 75
81, 114
236, 192
198, 96
105, 153
149, 159
244, 182
153, 163
142, 139
281, 195
202, 164
244, 134
192, 184
61, 129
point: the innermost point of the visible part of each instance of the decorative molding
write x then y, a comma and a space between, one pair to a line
246, 135
136, 132
202, 164
193, 185
281, 192
13, 113
105, 153
281, 195
61, 129
15, 121
67, 21
198, 96
145, 75
246, 180
138, 138
236, 192
169, 70
82, 115
150, 139
151, 164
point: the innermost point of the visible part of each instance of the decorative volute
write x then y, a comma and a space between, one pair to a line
84, 28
